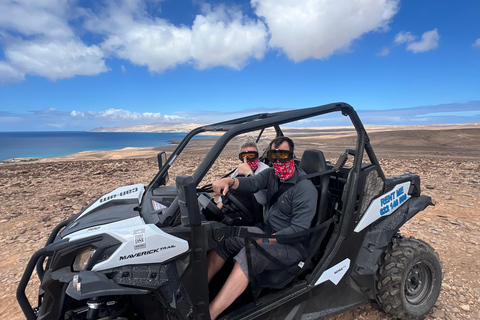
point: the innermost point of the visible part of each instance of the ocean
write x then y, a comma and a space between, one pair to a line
43, 144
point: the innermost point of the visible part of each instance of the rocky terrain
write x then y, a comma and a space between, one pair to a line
36, 196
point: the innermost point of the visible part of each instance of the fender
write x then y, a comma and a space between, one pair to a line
378, 236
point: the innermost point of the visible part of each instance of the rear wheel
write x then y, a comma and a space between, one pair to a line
409, 278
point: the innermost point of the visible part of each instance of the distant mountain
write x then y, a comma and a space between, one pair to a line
187, 127
154, 127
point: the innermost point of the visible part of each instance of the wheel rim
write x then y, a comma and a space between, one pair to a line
418, 283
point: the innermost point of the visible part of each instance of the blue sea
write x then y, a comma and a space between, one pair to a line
56, 144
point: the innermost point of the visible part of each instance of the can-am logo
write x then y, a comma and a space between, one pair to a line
120, 194
144, 253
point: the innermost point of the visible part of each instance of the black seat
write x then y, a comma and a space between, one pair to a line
312, 161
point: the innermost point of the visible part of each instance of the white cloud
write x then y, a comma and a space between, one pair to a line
75, 113
30, 17
9, 74
428, 42
113, 114
39, 41
383, 52
226, 38
56, 59
158, 44
219, 37
48, 38
477, 43
404, 37
317, 29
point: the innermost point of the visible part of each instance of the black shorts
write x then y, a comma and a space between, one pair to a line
235, 246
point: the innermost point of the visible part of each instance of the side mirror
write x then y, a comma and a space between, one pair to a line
162, 159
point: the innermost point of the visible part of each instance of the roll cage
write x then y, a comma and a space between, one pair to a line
262, 121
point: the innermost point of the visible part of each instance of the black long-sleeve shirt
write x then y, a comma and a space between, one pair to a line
295, 208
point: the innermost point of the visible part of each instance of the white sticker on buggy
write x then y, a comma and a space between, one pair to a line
335, 273
157, 205
139, 240
385, 205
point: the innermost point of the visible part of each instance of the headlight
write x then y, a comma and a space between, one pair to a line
82, 259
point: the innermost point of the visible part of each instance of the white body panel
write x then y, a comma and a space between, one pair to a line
141, 243
134, 191
335, 273
384, 205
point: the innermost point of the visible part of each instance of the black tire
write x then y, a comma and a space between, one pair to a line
409, 278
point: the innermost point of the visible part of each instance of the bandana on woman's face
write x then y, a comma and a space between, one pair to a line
284, 171
253, 164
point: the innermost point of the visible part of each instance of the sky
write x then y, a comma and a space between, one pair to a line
78, 64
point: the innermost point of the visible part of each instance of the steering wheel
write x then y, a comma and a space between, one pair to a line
243, 211
211, 211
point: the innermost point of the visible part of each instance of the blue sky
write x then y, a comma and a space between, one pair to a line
77, 65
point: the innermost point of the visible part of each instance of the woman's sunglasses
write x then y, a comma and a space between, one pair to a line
251, 155
281, 155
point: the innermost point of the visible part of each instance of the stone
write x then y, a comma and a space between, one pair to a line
465, 307
77, 206
438, 314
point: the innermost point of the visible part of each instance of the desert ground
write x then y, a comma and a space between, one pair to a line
36, 196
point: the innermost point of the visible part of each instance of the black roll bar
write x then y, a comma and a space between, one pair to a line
235, 127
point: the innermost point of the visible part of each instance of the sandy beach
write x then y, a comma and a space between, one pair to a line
37, 195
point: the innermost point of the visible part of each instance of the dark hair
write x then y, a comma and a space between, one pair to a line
279, 140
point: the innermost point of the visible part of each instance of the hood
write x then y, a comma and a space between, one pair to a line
120, 204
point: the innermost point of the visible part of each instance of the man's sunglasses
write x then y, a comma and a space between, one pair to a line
251, 155
281, 155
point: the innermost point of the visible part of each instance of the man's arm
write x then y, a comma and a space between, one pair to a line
250, 184
221, 187
254, 183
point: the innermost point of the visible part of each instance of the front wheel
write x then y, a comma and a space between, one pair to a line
409, 278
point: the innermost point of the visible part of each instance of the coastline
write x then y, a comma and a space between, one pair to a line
124, 153
455, 141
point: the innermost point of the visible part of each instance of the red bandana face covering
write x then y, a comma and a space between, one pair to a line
284, 171
253, 164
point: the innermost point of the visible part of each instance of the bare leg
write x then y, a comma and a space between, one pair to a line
214, 264
236, 283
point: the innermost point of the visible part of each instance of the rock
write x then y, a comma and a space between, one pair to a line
438, 314
465, 307
77, 206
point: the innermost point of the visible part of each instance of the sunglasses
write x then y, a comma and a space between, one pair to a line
251, 155
281, 155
